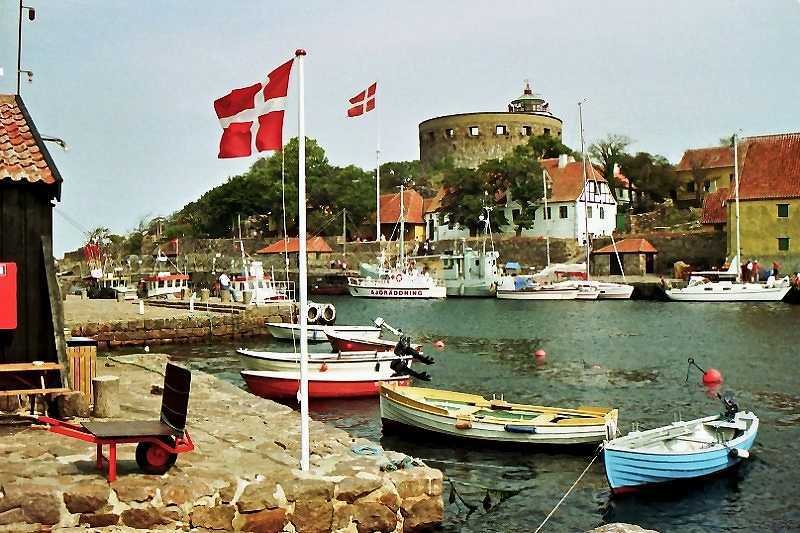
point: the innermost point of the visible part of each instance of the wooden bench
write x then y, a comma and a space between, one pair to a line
29, 379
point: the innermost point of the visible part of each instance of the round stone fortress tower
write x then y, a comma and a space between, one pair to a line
469, 139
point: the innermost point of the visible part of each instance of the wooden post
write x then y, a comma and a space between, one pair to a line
56, 308
106, 395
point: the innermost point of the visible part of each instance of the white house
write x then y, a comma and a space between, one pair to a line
567, 202
437, 223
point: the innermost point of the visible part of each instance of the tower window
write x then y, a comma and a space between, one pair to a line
547, 132
783, 210
527, 131
500, 130
450, 133
474, 131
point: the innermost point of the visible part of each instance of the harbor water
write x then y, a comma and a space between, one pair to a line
627, 354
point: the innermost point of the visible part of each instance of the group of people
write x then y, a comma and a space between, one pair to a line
751, 271
423, 248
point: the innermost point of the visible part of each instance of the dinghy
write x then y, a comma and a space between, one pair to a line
289, 331
474, 417
680, 451
344, 342
332, 363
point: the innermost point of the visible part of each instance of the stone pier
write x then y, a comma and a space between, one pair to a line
243, 475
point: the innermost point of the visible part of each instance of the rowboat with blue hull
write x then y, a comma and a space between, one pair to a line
680, 451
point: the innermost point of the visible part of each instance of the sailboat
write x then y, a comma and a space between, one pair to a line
710, 287
404, 280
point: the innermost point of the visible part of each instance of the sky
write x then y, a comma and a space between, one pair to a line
130, 85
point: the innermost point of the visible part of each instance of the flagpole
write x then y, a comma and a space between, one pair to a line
303, 267
377, 169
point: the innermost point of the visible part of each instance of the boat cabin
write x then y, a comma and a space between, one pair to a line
165, 284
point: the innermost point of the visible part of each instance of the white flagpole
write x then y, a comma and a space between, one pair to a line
303, 274
377, 167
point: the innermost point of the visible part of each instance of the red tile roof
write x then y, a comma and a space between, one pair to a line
432, 205
23, 156
412, 203
313, 245
715, 157
714, 207
568, 181
770, 167
629, 246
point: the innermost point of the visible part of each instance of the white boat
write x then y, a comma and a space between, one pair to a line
471, 416
316, 333
603, 290
527, 288
680, 451
703, 290
321, 362
165, 285
715, 287
402, 281
254, 287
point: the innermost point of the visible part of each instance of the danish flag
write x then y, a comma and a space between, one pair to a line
254, 113
363, 101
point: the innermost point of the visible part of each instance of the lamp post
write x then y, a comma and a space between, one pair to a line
31, 16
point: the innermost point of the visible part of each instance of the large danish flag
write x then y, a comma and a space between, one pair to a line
254, 112
363, 101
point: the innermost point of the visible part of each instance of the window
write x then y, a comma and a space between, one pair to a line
547, 132
473, 131
562, 211
549, 213
783, 244
589, 212
500, 130
783, 210
706, 186
450, 133
527, 131
602, 213
515, 214
690, 186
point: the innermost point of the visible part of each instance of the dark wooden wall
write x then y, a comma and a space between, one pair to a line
26, 215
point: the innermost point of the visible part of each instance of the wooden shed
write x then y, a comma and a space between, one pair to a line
638, 258
29, 185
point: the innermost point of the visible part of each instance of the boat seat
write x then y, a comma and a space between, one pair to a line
543, 419
736, 424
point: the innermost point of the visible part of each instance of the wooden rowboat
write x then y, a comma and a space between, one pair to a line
680, 451
474, 417
348, 342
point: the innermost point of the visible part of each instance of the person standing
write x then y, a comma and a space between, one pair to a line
224, 283
748, 273
755, 271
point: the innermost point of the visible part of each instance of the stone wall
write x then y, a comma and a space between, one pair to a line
702, 250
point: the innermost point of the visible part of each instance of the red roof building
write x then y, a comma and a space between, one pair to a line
567, 179
313, 245
706, 158
635, 257
412, 204
769, 167
629, 246
715, 210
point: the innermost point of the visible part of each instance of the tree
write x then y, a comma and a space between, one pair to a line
607, 152
467, 193
727, 141
652, 174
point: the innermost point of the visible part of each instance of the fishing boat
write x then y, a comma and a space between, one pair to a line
474, 417
403, 280
680, 451
321, 362
165, 284
353, 384
317, 333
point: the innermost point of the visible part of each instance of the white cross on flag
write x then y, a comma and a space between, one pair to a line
254, 113
363, 101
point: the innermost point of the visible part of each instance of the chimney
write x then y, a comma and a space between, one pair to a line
563, 159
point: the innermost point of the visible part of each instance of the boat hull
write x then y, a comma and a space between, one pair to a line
632, 470
326, 362
285, 385
366, 291
358, 343
734, 293
538, 295
316, 333
471, 291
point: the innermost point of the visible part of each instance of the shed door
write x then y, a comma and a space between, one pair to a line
614, 267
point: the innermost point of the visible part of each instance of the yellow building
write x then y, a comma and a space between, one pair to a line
701, 171
769, 201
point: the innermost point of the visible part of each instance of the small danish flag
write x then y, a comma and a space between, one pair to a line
254, 113
363, 101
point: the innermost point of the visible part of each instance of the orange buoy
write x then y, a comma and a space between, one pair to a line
540, 353
712, 376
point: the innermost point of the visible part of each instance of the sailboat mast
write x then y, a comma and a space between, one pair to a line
585, 191
377, 175
402, 228
547, 225
736, 179
344, 231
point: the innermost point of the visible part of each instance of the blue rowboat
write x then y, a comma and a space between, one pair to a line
680, 451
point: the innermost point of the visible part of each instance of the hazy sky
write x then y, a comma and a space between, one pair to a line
130, 85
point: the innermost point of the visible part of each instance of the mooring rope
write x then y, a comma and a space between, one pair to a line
569, 490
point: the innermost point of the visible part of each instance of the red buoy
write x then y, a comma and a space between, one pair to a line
439, 345
712, 376
540, 353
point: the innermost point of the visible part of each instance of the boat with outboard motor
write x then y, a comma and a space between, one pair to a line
680, 451
471, 416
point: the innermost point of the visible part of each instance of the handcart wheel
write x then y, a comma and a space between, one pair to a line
153, 459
